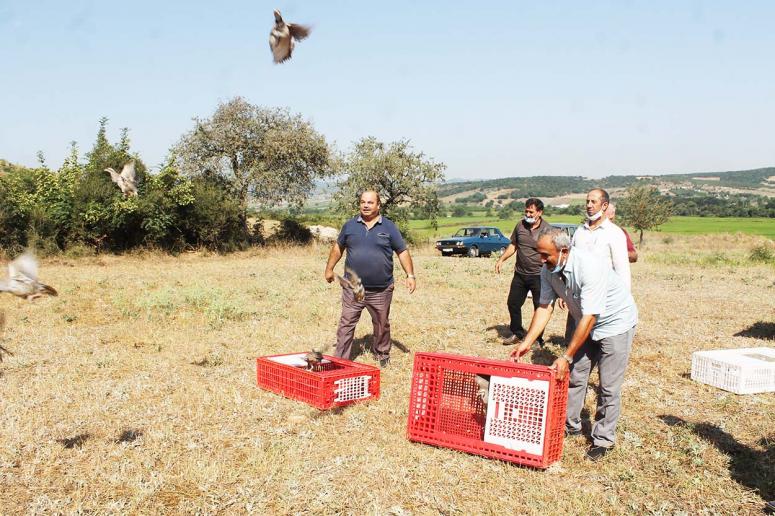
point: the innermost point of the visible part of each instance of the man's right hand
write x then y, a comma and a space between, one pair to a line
562, 304
498, 266
329, 275
520, 350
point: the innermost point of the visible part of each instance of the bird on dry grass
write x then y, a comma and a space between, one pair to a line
23, 279
126, 179
2, 329
284, 36
353, 282
483, 385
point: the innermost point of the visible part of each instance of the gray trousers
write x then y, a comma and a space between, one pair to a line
611, 355
378, 305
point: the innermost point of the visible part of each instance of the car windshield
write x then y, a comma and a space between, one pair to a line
467, 232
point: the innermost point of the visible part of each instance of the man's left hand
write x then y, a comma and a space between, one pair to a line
561, 367
411, 284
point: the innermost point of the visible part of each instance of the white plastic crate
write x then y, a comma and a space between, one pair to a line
742, 371
516, 413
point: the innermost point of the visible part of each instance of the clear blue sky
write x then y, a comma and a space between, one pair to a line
493, 89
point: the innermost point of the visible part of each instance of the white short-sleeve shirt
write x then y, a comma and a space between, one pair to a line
608, 242
590, 287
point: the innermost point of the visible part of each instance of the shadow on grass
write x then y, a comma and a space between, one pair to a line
332, 412
365, 344
502, 330
759, 330
129, 435
556, 340
74, 442
542, 356
749, 467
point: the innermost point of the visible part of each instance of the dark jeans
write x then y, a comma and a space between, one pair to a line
520, 285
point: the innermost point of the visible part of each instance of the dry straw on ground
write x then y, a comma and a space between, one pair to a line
134, 392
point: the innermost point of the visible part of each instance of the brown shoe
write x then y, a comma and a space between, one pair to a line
511, 340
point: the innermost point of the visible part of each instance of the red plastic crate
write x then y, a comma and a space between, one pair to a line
335, 382
526, 408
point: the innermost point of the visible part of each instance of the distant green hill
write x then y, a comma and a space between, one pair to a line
553, 186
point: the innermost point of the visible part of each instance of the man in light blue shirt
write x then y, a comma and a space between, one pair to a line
606, 316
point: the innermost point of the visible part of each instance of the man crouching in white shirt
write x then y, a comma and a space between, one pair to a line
606, 316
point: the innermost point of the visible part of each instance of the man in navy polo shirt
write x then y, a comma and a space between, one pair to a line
370, 241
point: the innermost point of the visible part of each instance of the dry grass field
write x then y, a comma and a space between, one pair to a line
134, 391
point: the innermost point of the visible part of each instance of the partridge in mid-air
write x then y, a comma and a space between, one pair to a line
2, 327
283, 37
126, 179
23, 279
353, 282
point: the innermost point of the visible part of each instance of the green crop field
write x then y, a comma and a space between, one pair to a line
683, 225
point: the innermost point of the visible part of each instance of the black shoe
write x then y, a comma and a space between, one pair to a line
770, 507
595, 453
540, 341
384, 362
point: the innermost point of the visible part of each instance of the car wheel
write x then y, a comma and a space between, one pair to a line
473, 252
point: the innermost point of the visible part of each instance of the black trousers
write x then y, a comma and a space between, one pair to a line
521, 284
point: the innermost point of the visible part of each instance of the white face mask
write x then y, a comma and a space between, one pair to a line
530, 220
595, 216
559, 267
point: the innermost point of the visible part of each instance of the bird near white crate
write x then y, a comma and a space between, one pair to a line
483, 384
283, 37
353, 282
23, 279
126, 180
2, 330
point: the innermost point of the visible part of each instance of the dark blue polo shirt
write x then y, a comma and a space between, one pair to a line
370, 251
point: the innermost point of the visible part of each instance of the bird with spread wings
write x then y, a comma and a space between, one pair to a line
23, 279
126, 180
284, 36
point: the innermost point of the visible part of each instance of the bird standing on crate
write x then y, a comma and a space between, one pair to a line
23, 279
353, 282
284, 36
2, 328
314, 358
126, 180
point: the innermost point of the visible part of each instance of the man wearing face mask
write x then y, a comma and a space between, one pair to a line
602, 237
528, 267
606, 316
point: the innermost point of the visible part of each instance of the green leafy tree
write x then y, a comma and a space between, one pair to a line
644, 208
263, 154
406, 180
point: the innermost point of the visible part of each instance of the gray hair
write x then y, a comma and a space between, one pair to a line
560, 238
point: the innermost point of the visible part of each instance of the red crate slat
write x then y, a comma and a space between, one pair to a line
528, 408
334, 383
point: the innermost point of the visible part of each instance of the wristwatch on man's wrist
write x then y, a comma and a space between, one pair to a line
410, 276
567, 358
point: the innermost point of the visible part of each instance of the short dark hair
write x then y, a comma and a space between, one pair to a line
603, 195
379, 200
537, 203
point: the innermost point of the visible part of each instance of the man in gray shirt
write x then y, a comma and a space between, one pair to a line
606, 316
